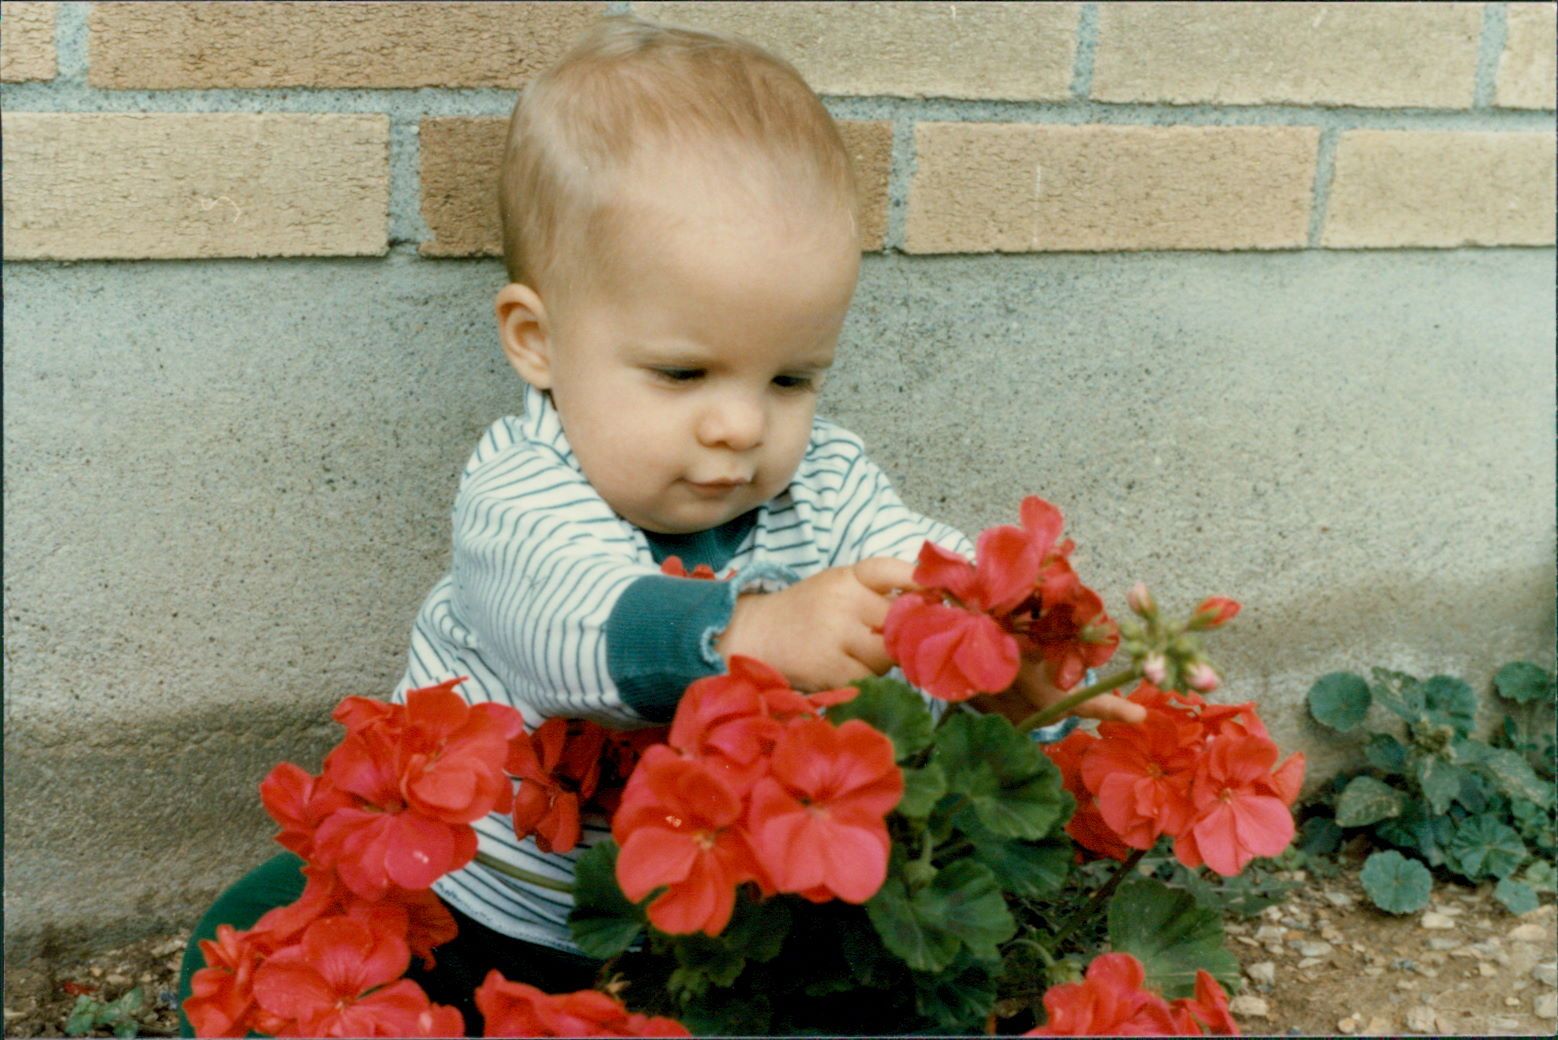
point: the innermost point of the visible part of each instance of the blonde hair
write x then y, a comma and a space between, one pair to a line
628, 88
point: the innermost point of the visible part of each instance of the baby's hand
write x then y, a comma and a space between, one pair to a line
1035, 690
824, 631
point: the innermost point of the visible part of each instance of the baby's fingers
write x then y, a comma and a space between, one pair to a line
883, 574
1111, 708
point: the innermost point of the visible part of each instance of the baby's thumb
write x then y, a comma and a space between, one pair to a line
883, 574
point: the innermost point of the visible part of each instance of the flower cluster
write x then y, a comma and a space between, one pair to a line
516, 1009
1168, 654
1204, 774
1110, 1001
390, 813
569, 767
966, 628
753, 785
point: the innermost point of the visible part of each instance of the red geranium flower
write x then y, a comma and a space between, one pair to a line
299, 801
1208, 1009
1109, 1001
678, 826
1238, 815
1086, 826
1214, 612
1140, 775
949, 652
675, 568
221, 1000
558, 767
516, 1009
818, 820
341, 981
453, 754
1074, 634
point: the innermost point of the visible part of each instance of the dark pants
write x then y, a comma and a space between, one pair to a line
463, 962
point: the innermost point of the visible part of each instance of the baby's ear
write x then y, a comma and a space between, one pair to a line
525, 333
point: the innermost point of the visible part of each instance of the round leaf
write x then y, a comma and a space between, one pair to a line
1366, 800
1522, 681
602, 921
1484, 847
1339, 700
891, 707
1396, 884
1451, 702
1517, 896
1171, 936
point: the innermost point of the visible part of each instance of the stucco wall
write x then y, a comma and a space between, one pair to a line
227, 481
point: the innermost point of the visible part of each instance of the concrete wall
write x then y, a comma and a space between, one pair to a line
227, 480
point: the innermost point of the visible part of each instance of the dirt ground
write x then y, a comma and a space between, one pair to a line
1323, 962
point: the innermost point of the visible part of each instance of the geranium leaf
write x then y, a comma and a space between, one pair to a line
919, 945
758, 927
1440, 781
1386, 753
1515, 777
1541, 875
922, 789
1319, 836
1013, 788
1401, 694
1484, 847
1416, 829
1031, 870
1171, 936
892, 707
1396, 884
1522, 682
702, 963
965, 901
1450, 702
602, 921
1517, 896
959, 999
1366, 800
1339, 700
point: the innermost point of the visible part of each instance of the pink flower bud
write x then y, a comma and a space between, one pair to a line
1202, 678
1214, 612
1140, 600
1155, 668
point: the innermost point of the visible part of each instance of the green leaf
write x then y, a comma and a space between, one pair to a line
1517, 896
703, 963
758, 927
1401, 694
917, 943
602, 921
1387, 754
1170, 935
1396, 884
1515, 776
1523, 682
1541, 875
1366, 800
1013, 788
957, 1000
892, 707
1450, 702
965, 901
922, 789
1484, 847
1319, 836
1440, 781
83, 1016
1339, 700
722, 1013
1029, 870
1417, 830
127, 1028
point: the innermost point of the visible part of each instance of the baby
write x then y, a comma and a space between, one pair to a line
679, 234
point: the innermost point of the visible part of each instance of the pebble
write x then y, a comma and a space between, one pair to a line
1379, 1026
1510, 1024
1486, 970
1442, 942
1407, 984
1311, 962
117, 979
1337, 899
9, 1014
170, 946
1331, 934
1511, 1001
1314, 949
1262, 971
1435, 920
1374, 971
1247, 1006
1270, 933
1348, 1024
1547, 974
1246, 940
1546, 1006
1422, 1019
1528, 933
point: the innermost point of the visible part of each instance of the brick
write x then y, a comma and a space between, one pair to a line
1395, 188
1380, 55
1024, 188
27, 42
461, 156
1528, 68
198, 45
1018, 51
164, 185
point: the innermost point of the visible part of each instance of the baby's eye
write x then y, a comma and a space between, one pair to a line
679, 375
794, 382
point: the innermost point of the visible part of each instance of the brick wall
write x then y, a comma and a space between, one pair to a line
141, 131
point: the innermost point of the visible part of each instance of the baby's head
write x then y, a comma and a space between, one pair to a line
679, 230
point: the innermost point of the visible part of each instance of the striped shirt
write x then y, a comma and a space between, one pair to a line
556, 606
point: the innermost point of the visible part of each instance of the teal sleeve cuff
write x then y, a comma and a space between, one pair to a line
661, 633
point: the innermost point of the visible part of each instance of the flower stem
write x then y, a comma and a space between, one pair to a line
1086, 912
521, 874
1059, 708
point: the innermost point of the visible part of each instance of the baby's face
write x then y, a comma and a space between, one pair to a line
687, 390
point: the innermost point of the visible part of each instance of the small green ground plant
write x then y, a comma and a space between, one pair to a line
1434, 799
122, 1016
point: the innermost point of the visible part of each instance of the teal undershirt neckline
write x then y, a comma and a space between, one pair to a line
715, 547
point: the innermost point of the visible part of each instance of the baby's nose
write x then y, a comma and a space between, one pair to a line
736, 423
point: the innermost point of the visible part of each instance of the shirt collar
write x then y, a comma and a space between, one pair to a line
542, 425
